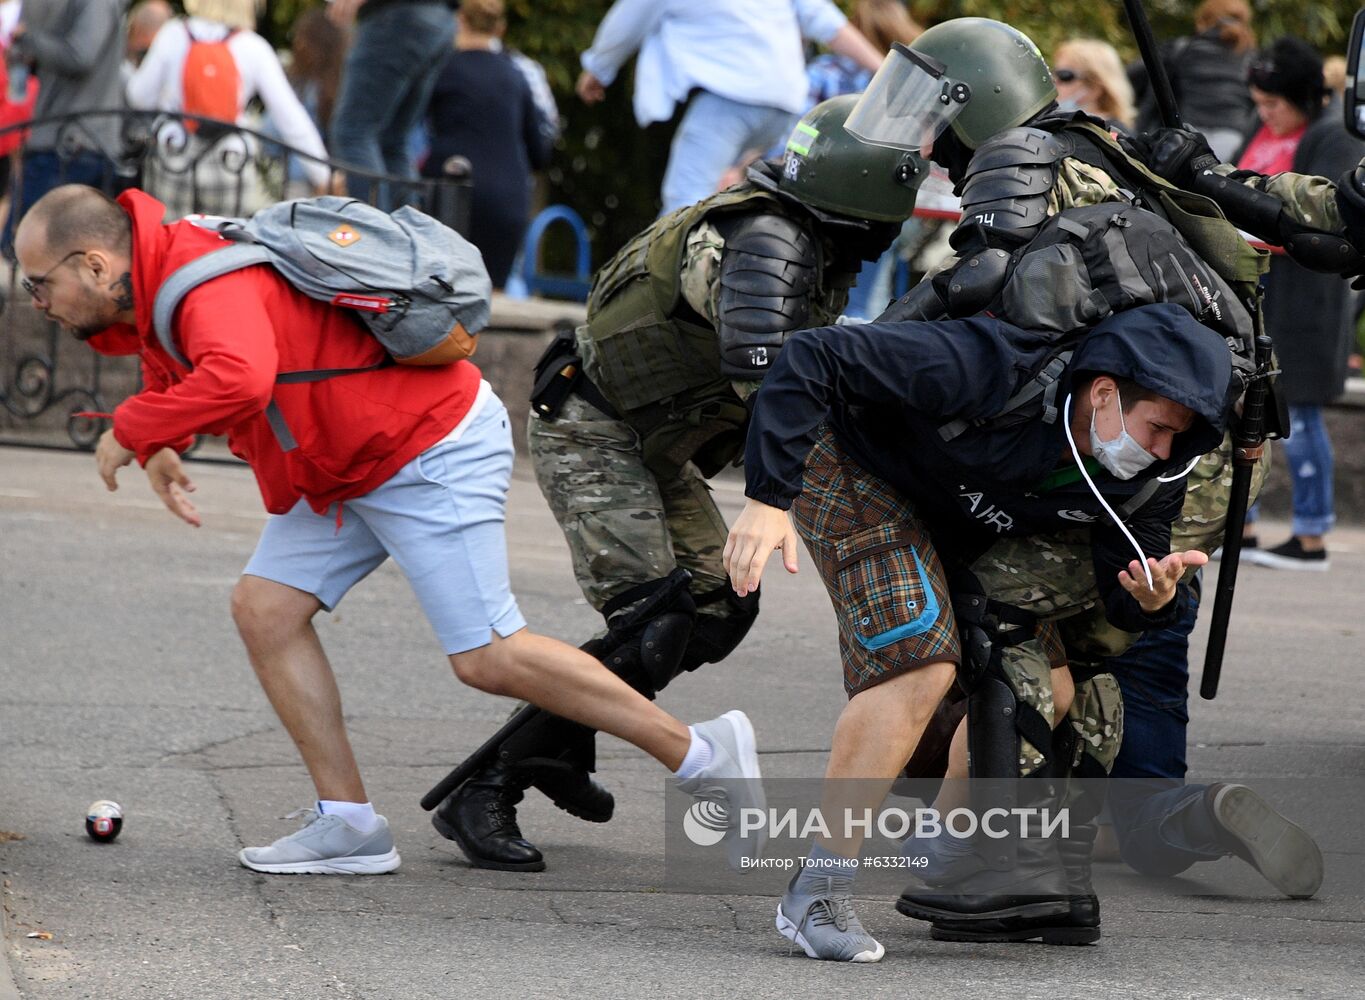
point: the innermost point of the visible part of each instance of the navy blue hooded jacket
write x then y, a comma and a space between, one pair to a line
887, 388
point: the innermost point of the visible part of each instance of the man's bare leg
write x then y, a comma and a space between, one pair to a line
275, 623
954, 793
570, 683
876, 734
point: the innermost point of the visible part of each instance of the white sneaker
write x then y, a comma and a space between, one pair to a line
732, 780
325, 845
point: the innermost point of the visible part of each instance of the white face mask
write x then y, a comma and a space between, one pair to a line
1123, 456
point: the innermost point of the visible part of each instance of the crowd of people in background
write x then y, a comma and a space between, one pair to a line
401, 88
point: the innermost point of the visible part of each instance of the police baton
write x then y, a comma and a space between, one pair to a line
480, 757
1151, 58
1248, 442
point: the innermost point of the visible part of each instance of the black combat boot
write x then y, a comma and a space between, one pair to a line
1030, 900
567, 783
481, 817
1077, 851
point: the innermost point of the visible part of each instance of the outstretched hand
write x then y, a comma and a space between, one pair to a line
171, 483
756, 532
1166, 573
110, 456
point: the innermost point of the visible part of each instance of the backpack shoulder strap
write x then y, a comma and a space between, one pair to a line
1043, 384
1136, 501
189, 276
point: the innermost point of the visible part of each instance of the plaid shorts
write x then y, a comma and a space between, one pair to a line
874, 555
877, 561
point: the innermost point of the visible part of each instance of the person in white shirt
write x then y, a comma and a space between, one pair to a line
744, 60
215, 174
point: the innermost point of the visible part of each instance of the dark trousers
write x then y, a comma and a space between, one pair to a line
1162, 824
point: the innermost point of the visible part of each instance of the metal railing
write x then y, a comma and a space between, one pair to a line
53, 388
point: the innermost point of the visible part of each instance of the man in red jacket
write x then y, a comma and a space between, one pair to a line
402, 461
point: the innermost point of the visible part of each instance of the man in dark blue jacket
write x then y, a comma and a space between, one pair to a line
870, 434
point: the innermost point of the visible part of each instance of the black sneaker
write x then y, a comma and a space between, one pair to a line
1292, 555
1251, 550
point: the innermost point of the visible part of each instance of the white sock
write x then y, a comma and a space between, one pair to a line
699, 754
360, 815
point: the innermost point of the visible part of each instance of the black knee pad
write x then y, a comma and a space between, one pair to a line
716, 636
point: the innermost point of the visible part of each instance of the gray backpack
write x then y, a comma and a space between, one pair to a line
419, 286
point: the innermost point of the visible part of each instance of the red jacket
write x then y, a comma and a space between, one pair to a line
353, 431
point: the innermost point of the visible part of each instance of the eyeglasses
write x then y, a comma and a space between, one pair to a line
34, 286
1065, 75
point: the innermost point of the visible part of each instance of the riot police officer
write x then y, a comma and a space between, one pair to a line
634, 410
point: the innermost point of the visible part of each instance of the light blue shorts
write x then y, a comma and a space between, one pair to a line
440, 517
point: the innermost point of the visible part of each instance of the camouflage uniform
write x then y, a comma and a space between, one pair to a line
625, 524
629, 512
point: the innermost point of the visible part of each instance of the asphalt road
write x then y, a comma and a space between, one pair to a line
121, 677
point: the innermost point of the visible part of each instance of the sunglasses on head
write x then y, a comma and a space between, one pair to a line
1065, 75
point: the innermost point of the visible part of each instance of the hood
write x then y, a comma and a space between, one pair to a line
150, 241
1163, 348
149, 247
154, 247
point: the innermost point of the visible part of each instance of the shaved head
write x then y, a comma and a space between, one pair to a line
75, 247
75, 216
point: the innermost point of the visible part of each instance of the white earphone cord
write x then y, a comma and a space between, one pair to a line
1182, 473
1066, 423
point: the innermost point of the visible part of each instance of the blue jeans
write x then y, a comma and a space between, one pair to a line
390, 73
1162, 824
714, 133
1308, 451
44, 170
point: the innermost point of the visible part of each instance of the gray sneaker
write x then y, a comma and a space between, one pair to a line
1280, 850
824, 924
732, 780
325, 845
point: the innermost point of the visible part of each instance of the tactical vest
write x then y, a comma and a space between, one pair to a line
656, 360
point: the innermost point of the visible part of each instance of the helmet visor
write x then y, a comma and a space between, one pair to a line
909, 102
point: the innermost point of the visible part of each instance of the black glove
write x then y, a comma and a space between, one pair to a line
1351, 203
1177, 154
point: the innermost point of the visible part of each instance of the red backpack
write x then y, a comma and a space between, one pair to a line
209, 81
